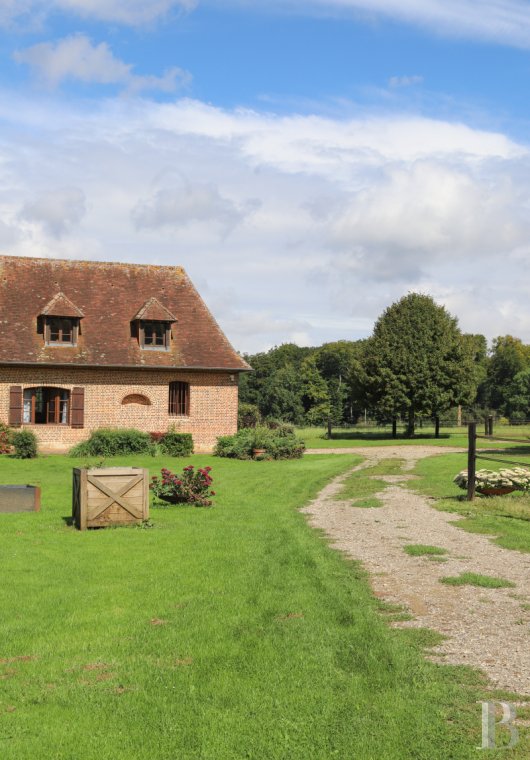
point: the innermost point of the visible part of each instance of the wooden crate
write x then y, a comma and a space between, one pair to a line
19, 499
109, 496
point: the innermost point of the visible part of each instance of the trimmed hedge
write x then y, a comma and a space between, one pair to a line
108, 442
280, 443
176, 444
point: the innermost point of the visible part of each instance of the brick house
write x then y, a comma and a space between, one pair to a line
87, 344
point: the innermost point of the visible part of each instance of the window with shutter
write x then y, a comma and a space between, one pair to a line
45, 406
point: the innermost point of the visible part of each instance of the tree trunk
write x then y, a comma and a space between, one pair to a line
394, 428
436, 427
459, 415
411, 424
329, 428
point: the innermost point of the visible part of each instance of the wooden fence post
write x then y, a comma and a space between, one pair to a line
471, 459
329, 428
490, 424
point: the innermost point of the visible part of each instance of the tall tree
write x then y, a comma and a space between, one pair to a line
509, 356
315, 392
416, 362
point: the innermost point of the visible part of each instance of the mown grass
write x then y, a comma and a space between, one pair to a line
475, 579
455, 436
423, 550
218, 634
507, 517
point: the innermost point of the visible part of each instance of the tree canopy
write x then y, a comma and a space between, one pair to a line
416, 362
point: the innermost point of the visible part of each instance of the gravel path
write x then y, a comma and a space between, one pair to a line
485, 628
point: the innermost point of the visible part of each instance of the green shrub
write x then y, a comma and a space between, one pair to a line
25, 444
248, 416
238, 446
176, 444
108, 442
278, 444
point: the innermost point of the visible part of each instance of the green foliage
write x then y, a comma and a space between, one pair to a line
6, 434
108, 442
24, 444
302, 385
176, 444
509, 358
416, 362
517, 397
315, 392
248, 415
280, 443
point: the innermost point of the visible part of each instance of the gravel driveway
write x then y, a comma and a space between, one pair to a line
485, 628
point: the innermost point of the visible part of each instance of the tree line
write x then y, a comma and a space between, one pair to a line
416, 365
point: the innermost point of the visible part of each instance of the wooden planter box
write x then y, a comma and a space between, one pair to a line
110, 496
19, 499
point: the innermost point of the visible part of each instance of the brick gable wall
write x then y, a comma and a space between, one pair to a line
213, 402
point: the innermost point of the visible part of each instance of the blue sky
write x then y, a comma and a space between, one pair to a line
307, 162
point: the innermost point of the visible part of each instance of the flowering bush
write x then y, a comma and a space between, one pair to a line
191, 487
517, 478
5, 439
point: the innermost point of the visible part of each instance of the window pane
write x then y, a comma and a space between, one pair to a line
26, 415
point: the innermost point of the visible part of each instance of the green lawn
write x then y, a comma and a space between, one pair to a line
218, 634
316, 438
507, 518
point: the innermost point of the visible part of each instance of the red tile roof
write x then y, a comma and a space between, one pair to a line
109, 296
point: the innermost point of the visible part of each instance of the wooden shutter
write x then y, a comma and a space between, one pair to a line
15, 405
77, 399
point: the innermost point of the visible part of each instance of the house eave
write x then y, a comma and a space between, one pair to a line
175, 368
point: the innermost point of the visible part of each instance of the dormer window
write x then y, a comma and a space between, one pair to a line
60, 322
61, 331
153, 326
155, 334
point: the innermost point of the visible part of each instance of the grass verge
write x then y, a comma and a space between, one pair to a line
361, 486
505, 518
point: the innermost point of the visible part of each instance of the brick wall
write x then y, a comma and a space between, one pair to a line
213, 402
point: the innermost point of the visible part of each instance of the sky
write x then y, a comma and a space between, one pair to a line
308, 162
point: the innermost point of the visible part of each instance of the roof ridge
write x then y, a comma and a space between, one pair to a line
122, 264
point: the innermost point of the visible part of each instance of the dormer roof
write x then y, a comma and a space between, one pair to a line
154, 311
61, 306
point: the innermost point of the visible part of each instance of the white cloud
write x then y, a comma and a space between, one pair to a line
129, 12
76, 58
405, 81
183, 203
505, 21
346, 214
57, 211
